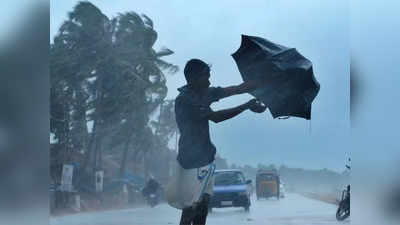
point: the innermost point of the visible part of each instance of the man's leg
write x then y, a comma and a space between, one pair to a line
202, 211
187, 216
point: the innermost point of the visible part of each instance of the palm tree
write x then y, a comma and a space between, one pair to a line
111, 77
133, 38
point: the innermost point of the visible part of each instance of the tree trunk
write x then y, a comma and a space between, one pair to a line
96, 152
124, 157
94, 135
89, 147
135, 160
100, 163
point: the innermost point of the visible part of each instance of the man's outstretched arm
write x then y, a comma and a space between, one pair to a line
242, 88
222, 115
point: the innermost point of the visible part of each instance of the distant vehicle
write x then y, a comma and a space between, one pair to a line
152, 192
153, 199
267, 184
343, 210
231, 189
281, 190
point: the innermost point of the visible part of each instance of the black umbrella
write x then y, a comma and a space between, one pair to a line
290, 84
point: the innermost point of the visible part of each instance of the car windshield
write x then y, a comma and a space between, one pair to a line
228, 178
267, 176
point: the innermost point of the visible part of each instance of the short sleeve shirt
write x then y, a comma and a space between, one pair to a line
191, 112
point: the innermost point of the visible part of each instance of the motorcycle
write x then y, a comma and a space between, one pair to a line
152, 199
343, 210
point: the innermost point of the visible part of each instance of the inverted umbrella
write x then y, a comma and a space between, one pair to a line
290, 85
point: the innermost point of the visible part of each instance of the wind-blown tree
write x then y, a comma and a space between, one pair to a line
109, 75
59, 127
158, 158
79, 47
142, 68
166, 126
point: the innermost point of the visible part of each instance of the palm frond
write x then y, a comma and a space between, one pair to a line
164, 52
148, 21
131, 17
171, 68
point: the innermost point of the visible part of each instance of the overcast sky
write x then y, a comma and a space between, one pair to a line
210, 30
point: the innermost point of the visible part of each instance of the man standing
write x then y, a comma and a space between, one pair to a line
196, 151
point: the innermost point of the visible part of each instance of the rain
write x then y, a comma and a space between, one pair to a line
117, 72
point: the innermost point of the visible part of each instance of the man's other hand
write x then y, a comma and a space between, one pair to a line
256, 106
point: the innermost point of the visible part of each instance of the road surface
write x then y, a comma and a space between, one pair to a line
292, 210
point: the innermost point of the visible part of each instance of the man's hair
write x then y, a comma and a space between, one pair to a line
195, 68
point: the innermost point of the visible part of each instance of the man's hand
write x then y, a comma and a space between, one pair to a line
256, 106
226, 114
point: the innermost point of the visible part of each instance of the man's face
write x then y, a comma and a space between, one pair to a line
203, 82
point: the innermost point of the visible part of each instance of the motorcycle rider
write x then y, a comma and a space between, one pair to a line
152, 187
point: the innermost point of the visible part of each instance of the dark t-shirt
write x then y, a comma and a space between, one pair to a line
191, 110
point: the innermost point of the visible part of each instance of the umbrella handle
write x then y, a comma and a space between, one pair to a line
284, 117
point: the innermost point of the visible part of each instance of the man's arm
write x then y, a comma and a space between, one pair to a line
242, 88
222, 115
219, 116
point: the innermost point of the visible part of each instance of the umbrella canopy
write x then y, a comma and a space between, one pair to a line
290, 84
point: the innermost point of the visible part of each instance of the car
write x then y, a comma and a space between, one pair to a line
231, 189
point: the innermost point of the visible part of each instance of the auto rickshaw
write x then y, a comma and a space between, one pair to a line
267, 184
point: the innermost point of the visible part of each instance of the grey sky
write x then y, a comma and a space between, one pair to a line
210, 30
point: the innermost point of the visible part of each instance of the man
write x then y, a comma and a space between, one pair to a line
196, 151
152, 187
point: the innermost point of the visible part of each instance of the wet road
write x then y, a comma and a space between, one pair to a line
292, 210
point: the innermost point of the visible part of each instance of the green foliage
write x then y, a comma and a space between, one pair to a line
106, 72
